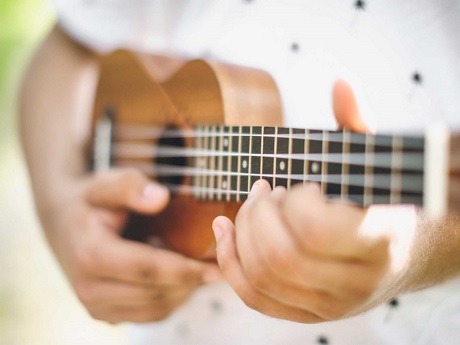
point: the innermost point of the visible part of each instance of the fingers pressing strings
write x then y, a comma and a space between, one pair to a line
231, 267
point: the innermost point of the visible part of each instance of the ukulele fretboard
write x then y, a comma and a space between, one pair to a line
364, 168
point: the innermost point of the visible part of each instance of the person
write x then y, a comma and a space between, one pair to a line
382, 275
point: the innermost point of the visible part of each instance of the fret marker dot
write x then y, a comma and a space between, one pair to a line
226, 142
315, 167
245, 164
282, 165
224, 184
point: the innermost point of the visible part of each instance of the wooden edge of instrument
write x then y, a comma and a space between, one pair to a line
232, 95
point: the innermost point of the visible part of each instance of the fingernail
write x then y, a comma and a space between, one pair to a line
217, 232
153, 190
255, 188
313, 187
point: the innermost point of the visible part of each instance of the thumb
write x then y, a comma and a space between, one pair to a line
128, 189
346, 108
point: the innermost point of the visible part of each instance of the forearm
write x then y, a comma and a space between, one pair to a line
55, 108
422, 251
436, 251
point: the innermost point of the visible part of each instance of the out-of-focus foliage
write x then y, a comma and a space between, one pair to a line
36, 304
22, 23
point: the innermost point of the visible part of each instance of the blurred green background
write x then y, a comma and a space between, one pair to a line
37, 306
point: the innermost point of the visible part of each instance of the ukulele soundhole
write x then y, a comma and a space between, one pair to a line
170, 144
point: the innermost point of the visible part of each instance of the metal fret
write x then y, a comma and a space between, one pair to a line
411, 146
244, 162
268, 148
307, 163
262, 151
275, 148
227, 163
238, 181
395, 174
256, 151
383, 146
369, 159
345, 163
250, 160
220, 139
196, 179
325, 149
204, 162
282, 149
356, 171
315, 146
298, 147
235, 163
334, 188
212, 165
290, 159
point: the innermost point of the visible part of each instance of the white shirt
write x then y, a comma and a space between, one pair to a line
403, 60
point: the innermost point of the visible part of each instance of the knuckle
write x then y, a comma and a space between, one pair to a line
312, 237
147, 272
257, 278
356, 290
258, 211
84, 260
250, 298
99, 315
335, 312
252, 211
280, 259
223, 261
307, 217
362, 291
130, 176
158, 295
85, 294
331, 308
160, 312
244, 214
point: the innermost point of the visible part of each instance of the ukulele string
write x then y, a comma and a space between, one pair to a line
225, 194
413, 183
411, 161
133, 132
124, 151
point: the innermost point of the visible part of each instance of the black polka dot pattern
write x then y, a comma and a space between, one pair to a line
322, 340
360, 5
216, 306
417, 78
394, 303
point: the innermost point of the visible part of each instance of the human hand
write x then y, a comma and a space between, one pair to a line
296, 256
116, 279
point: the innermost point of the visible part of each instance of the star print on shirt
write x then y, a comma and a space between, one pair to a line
360, 5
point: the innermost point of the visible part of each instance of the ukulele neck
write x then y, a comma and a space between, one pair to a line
364, 168
225, 161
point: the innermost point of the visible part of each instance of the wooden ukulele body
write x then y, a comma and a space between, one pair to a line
158, 92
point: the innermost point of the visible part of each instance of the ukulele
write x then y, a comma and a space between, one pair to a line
209, 130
